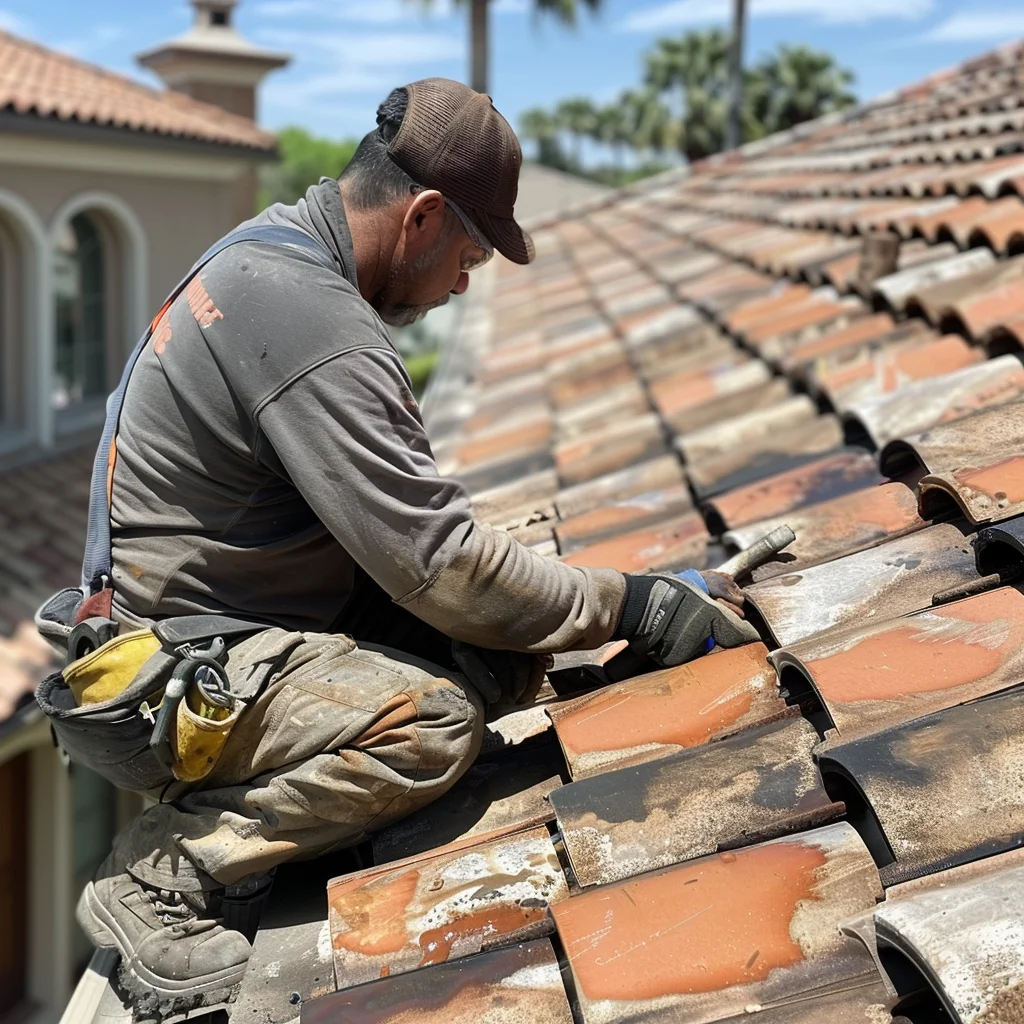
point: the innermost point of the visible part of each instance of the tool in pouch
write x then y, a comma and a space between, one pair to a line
151, 705
144, 708
198, 680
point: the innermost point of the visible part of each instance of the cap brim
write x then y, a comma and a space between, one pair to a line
506, 236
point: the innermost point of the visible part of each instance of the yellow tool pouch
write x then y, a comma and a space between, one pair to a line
202, 729
108, 671
151, 706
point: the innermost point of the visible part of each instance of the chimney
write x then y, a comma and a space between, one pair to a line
212, 62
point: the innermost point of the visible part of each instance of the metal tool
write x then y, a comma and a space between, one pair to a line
761, 551
199, 665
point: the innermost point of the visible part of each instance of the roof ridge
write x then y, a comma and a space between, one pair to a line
215, 118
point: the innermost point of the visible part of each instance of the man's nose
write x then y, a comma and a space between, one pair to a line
462, 284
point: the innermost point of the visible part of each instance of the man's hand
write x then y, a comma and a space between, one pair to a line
501, 677
724, 589
671, 619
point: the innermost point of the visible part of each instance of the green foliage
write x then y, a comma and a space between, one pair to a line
794, 84
684, 104
565, 12
538, 124
576, 118
541, 126
420, 366
694, 69
646, 121
617, 177
797, 84
304, 159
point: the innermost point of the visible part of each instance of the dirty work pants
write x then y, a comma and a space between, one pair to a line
342, 740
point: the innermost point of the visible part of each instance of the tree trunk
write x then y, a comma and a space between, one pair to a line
479, 44
681, 142
733, 128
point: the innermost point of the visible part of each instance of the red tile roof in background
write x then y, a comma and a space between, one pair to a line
687, 364
40, 82
43, 510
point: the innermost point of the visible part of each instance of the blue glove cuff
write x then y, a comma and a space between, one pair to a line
694, 577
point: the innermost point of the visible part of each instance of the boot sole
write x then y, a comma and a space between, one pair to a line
147, 987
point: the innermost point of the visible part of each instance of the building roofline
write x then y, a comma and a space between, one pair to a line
212, 125
72, 129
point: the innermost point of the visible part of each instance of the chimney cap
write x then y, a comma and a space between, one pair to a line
211, 37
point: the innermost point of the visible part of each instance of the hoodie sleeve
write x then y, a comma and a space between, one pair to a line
349, 435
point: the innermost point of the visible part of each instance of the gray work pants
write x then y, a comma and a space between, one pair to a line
340, 741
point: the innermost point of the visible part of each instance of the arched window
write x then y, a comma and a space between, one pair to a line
80, 286
13, 350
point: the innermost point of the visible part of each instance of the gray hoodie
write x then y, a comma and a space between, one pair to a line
270, 442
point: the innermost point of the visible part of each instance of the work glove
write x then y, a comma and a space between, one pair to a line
671, 619
501, 677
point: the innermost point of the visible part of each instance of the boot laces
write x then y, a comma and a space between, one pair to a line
170, 907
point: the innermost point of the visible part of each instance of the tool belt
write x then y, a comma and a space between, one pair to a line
148, 707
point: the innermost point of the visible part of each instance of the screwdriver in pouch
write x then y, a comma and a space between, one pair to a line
173, 694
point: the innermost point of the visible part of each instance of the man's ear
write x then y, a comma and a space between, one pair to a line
424, 218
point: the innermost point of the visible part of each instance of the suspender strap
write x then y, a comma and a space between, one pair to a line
98, 558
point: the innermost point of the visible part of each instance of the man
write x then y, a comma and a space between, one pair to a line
270, 464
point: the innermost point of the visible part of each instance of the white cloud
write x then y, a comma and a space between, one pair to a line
11, 22
375, 49
289, 8
378, 12
325, 86
338, 66
353, 49
684, 13
977, 27
370, 12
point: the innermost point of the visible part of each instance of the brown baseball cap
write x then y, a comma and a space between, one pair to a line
452, 139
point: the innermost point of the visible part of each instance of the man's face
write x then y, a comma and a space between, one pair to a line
429, 263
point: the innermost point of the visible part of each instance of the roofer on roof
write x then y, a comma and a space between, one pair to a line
270, 466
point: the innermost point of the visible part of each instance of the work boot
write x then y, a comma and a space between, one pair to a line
172, 960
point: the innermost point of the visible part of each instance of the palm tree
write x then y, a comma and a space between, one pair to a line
797, 84
737, 97
648, 123
578, 118
540, 126
537, 125
566, 12
612, 130
695, 68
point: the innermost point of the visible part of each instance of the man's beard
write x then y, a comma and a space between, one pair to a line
401, 314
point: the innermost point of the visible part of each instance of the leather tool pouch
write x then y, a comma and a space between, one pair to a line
112, 735
57, 617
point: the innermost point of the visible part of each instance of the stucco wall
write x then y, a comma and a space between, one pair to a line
180, 218
163, 206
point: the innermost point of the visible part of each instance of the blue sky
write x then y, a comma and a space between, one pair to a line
349, 53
